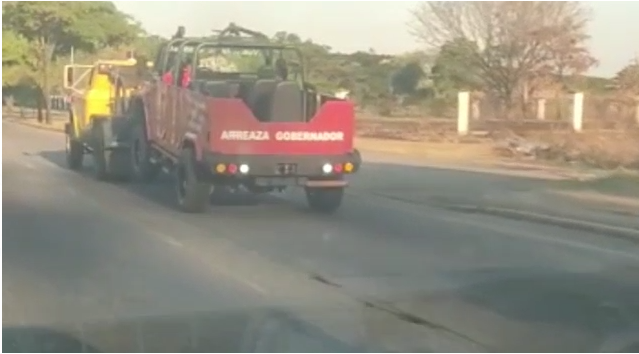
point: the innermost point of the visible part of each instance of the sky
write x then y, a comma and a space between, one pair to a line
348, 26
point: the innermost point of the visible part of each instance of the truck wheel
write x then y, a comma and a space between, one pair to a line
74, 152
143, 169
100, 165
192, 193
109, 164
324, 200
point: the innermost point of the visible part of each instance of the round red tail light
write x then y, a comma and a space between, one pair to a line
232, 168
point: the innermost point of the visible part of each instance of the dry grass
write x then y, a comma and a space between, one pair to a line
432, 151
406, 129
607, 149
437, 139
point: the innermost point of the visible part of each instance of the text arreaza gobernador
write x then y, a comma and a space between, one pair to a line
261, 135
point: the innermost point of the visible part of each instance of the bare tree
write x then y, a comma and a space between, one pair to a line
515, 42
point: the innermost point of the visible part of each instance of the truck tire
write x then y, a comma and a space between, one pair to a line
143, 170
192, 193
108, 164
74, 153
325, 200
100, 165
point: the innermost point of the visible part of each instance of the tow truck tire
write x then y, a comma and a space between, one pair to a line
325, 200
74, 153
192, 194
143, 170
109, 164
100, 165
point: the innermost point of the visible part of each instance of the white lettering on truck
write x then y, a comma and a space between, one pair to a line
259, 135
245, 135
309, 136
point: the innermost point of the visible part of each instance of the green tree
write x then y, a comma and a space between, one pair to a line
148, 45
454, 68
14, 48
14, 53
405, 81
370, 76
627, 79
53, 27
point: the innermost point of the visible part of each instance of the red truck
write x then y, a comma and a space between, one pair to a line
234, 111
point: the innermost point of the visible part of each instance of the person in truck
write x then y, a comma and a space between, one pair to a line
184, 77
167, 77
185, 73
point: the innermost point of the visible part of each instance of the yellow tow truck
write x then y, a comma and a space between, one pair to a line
97, 125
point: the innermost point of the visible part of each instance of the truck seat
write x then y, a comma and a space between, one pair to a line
287, 105
197, 85
219, 89
234, 89
260, 99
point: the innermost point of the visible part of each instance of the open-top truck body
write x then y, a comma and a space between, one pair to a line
97, 124
229, 111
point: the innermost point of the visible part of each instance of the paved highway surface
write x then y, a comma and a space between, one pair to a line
97, 266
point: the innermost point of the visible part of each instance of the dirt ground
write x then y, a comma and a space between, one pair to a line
441, 152
541, 141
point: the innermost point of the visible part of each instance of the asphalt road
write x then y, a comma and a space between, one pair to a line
99, 266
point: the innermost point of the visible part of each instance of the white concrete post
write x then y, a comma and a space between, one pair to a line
463, 105
541, 109
578, 111
637, 113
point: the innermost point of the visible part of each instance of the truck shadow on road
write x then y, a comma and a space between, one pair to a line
422, 185
161, 191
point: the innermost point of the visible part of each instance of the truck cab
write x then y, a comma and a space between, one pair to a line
90, 91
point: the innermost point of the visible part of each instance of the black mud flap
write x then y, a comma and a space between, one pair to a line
357, 160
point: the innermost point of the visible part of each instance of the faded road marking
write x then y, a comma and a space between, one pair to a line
216, 269
27, 164
228, 274
173, 242
169, 240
